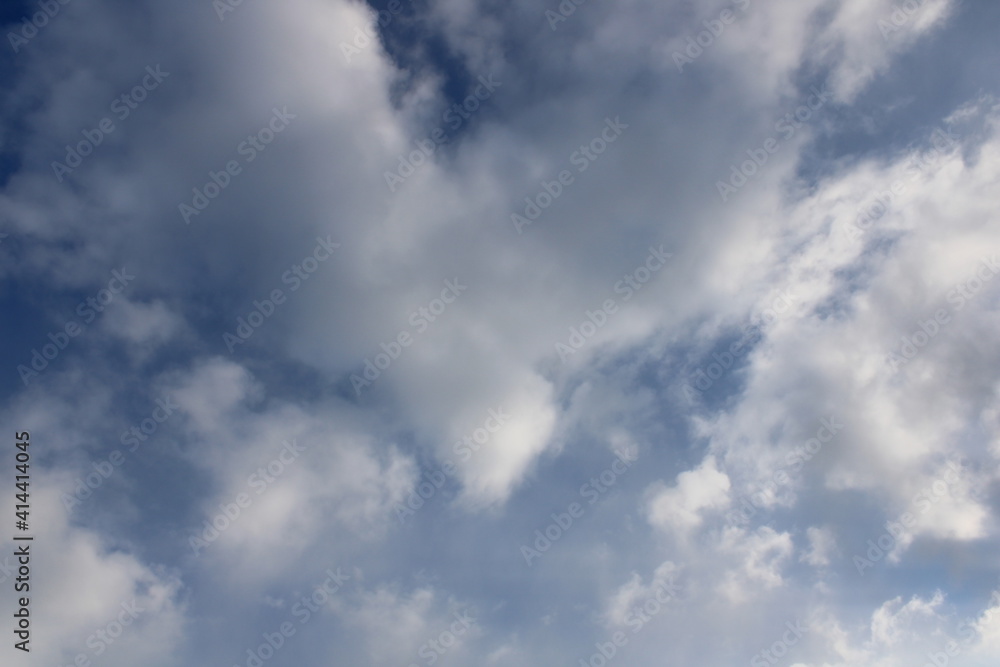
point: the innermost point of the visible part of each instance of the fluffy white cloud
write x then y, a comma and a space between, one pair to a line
883, 256
89, 596
680, 507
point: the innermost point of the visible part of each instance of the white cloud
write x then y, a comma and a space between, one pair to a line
680, 507
87, 594
761, 557
140, 323
857, 293
822, 545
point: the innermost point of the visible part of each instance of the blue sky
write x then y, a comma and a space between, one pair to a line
485, 337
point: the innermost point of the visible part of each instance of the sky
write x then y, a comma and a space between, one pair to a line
454, 332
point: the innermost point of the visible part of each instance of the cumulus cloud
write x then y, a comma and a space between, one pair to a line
337, 309
679, 507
